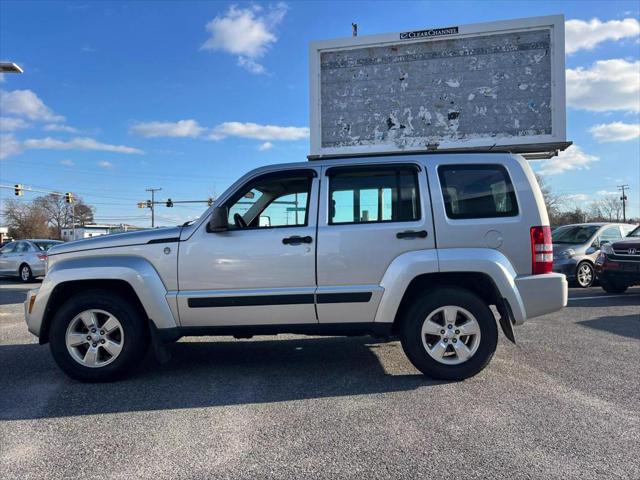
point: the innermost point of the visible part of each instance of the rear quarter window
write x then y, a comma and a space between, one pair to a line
477, 191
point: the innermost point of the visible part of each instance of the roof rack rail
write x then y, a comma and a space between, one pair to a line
534, 151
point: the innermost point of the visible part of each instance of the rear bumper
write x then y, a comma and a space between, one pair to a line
542, 294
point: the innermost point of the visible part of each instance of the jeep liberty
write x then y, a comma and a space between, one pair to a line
415, 246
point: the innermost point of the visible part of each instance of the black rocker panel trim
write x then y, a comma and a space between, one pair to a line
291, 299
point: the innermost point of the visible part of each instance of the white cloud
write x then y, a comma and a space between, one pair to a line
265, 146
25, 103
573, 158
576, 197
581, 35
615, 132
182, 128
9, 124
258, 132
68, 163
246, 32
9, 146
55, 127
608, 85
77, 144
606, 192
251, 65
105, 164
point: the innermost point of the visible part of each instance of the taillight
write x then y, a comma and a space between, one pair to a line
541, 250
43, 257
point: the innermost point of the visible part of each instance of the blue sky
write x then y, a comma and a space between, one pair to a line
120, 96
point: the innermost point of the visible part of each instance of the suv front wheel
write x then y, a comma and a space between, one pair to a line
98, 336
449, 334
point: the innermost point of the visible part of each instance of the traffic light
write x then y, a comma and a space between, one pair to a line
149, 204
68, 197
18, 190
142, 205
210, 201
169, 202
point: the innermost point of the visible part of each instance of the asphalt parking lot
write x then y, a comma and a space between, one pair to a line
563, 403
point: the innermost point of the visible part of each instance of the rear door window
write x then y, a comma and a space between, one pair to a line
477, 191
610, 234
23, 247
372, 194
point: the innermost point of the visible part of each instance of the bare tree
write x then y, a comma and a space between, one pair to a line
552, 201
25, 220
82, 213
62, 215
58, 212
610, 208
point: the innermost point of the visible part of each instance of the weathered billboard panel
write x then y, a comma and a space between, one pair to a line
496, 85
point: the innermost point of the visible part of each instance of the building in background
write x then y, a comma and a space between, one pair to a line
91, 230
4, 234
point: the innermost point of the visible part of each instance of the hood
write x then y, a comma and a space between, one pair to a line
116, 240
625, 244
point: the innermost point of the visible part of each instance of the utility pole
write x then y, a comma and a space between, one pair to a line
153, 203
623, 197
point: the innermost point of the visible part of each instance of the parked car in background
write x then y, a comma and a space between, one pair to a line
576, 247
618, 265
25, 259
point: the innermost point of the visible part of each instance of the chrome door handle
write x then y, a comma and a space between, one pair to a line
412, 234
296, 240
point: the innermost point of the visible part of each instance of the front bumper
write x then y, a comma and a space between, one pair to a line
620, 272
33, 320
542, 294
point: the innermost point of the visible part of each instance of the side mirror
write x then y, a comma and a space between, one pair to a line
219, 221
603, 242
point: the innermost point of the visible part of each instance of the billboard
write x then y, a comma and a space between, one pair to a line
498, 86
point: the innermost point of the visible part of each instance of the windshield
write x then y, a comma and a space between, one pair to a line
635, 233
44, 246
574, 234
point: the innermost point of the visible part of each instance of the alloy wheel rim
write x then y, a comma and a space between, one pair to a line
585, 275
94, 338
451, 335
25, 273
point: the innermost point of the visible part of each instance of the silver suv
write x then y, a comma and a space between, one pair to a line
576, 247
418, 246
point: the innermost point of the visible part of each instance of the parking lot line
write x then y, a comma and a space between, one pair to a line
604, 296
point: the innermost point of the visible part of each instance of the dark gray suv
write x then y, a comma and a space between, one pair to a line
576, 247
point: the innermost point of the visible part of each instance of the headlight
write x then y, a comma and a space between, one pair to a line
568, 253
607, 249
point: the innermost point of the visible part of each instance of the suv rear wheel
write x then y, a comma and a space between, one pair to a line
449, 334
98, 336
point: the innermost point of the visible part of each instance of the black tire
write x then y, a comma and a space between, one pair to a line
585, 264
611, 287
134, 325
28, 277
411, 331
